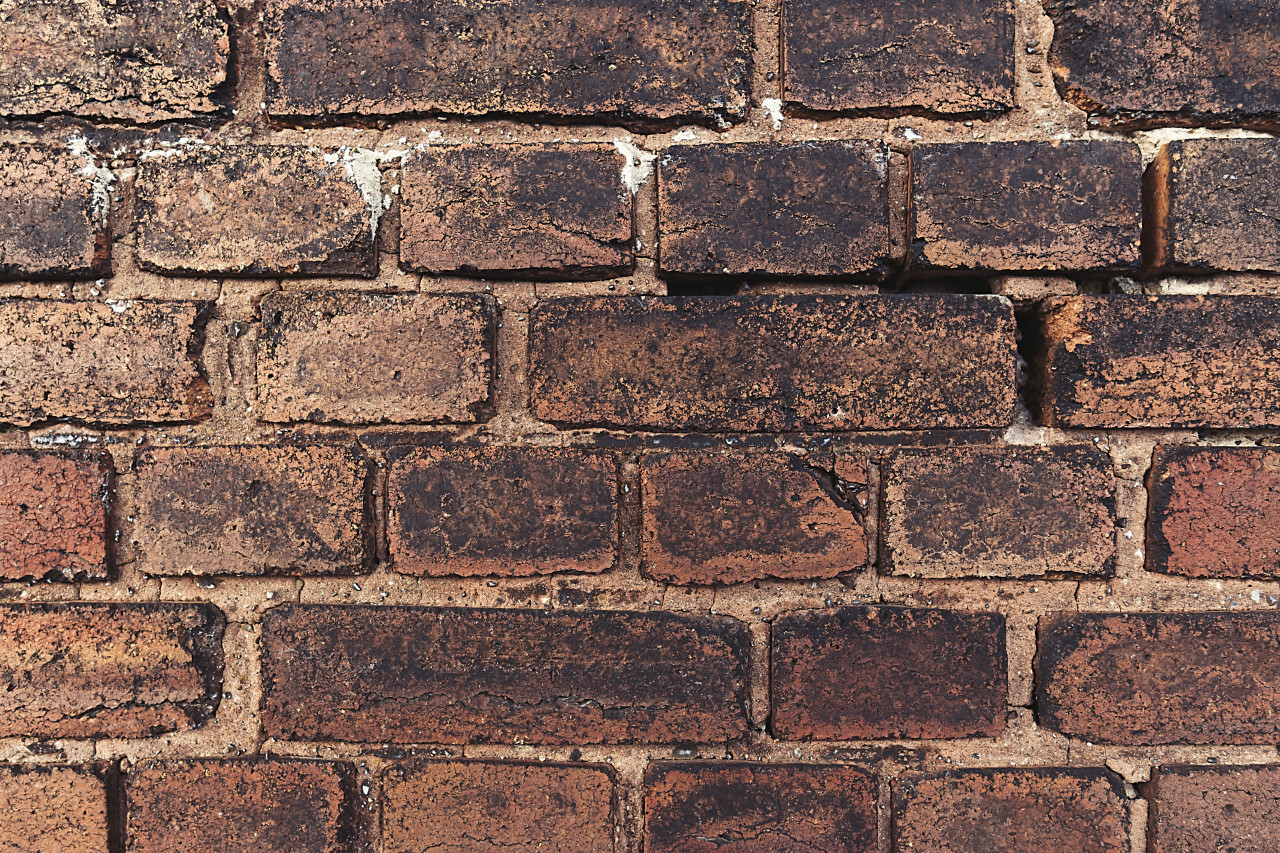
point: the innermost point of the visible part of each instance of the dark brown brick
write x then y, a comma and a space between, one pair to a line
702, 807
502, 511
745, 516
999, 512
53, 515
656, 59
368, 358
53, 809
860, 673
458, 675
53, 209
107, 670
120, 363
1214, 809
774, 363
479, 806
1168, 361
803, 208
1008, 811
239, 806
1028, 205
1159, 678
506, 209
907, 54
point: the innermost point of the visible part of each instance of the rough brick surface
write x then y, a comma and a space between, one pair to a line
999, 512
859, 673
53, 515
697, 807
456, 675
113, 670
774, 363
531, 209
487, 806
1211, 809
53, 809
1028, 205
51, 213
502, 511
653, 59
1170, 361
250, 510
745, 516
916, 54
361, 358
804, 208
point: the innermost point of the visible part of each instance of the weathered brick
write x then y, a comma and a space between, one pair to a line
920, 54
745, 516
656, 59
120, 363
368, 358
802, 208
1028, 205
1167, 361
1213, 809
996, 810
1158, 678
113, 670
478, 806
458, 675
250, 510
859, 673
701, 807
999, 512
53, 515
239, 806
53, 209
774, 363
53, 809
502, 511
528, 209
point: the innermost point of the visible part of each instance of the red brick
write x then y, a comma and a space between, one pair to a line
52, 214
459, 675
745, 516
1213, 809
477, 806
1028, 205
804, 208
502, 511
53, 809
774, 363
702, 807
53, 515
861, 673
107, 670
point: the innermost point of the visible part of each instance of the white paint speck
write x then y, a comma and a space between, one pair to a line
638, 165
773, 109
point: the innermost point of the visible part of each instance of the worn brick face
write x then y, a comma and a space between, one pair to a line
1217, 808
53, 809
53, 515
52, 215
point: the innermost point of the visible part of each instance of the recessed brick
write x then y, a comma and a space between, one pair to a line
458, 675
53, 515
803, 208
1212, 809
999, 512
745, 516
53, 809
860, 673
774, 363
702, 807
1028, 205
355, 358
52, 214
502, 511
473, 806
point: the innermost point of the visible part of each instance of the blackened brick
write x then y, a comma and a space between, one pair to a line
53, 809
52, 214
1213, 809
53, 515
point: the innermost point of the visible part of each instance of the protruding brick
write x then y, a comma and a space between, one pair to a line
1160, 678
529, 209
52, 214
118, 363
502, 511
239, 806
256, 210
702, 807
774, 363
1028, 205
1167, 361
657, 59
107, 670
457, 675
53, 515
859, 673
802, 208
479, 806
999, 512
250, 510
1009, 811
366, 358
1214, 809
53, 809
745, 516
